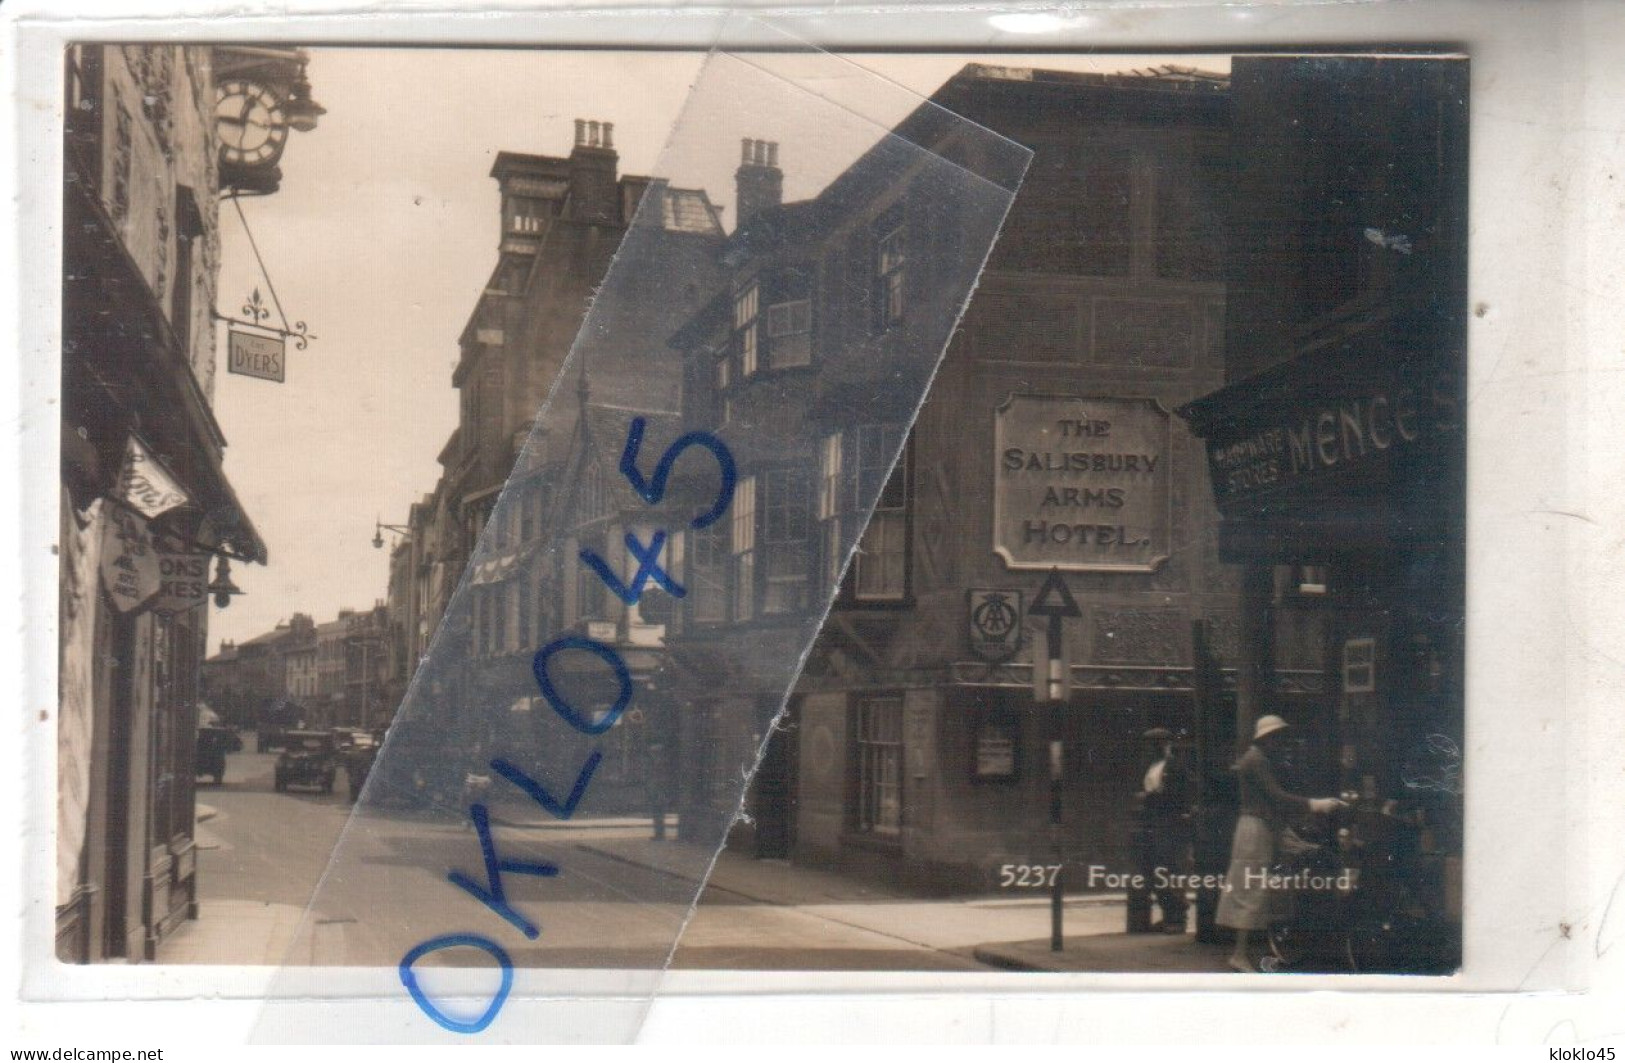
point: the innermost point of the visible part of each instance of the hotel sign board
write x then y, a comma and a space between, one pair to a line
1082, 484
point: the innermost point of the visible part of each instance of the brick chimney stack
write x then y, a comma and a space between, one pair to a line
594, 195
758, 183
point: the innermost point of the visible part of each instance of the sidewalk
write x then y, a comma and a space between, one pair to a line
1121, 953
901, 931
234, 933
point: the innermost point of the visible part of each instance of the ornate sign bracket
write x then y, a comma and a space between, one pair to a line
256, 315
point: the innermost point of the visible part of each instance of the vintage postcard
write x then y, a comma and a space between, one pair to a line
1144, 644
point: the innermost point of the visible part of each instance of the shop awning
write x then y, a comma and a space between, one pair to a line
124, 371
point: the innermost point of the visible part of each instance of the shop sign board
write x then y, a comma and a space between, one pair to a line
129, 564
995, 623
1082, 484
1308, 440
145, 485
185, 577
257, 355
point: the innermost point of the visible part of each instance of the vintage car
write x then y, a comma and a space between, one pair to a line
358, 763
307, 759
213, 743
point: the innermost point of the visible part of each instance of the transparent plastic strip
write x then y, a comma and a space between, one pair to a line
577, 742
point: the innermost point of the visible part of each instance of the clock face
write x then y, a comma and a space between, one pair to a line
253, 127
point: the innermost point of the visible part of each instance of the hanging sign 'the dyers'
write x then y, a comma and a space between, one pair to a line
256, 355
1082, 484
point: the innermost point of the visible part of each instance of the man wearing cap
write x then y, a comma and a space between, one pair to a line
1265, 810
1161, 838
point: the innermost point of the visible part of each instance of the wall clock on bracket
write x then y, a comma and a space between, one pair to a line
253, 124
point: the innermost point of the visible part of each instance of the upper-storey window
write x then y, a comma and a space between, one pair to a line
526, 215
789, 334
854, 467
829, 510
889, 269
707, 584
786, 549
879, 570
744, 549
745, 327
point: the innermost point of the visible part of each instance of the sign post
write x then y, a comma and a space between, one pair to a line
1052, 683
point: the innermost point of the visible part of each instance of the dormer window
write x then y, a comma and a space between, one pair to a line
526, 215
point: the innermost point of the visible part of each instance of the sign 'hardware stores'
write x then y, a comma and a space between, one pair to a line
1336, 434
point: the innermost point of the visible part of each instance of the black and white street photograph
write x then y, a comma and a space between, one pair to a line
975, 513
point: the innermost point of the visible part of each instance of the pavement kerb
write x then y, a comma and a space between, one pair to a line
206, 812
1071, 900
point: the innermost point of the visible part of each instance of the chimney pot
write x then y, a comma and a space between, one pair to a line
581, 131
744, 150
773, 153
609, 134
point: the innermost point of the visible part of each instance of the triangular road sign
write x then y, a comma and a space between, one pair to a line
1054, 599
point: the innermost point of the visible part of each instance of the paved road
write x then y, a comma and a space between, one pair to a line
264, 854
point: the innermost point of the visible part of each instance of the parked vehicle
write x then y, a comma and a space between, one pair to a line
275, 721
308, 759
213, 743
357, 750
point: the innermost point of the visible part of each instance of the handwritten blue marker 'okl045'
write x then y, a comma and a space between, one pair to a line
652, 491
566, 711
492, 894
409, 979
647, 558
648, 561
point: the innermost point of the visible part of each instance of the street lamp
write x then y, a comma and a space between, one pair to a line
378, 533
222, 588
302, 111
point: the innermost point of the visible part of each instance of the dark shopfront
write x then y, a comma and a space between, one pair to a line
1336, 449
133, 636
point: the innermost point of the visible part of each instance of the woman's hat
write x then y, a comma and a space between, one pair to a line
1267, 725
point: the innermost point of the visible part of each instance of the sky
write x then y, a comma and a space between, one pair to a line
385, 230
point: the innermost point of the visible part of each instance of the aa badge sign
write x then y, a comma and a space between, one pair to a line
995, 623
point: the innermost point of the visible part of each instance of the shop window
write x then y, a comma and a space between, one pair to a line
786, 540
745, 314
878, 759
789, 334
743, 576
